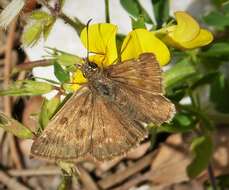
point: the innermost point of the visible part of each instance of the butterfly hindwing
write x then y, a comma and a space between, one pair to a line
113, 133
140, 90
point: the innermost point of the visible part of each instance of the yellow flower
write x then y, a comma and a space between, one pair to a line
102, 42
187, 34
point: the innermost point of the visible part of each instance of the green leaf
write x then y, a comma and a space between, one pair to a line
47, 110
202, 148
217, 19
161, 11
217, 50
205, 79
153, 134
39, 15
139, 23
178, 73
226, 7
219, 94
181, 123
134, 8
13, 126
32, 34
64, 58
61, 74
48, 27
27, 88
67, 59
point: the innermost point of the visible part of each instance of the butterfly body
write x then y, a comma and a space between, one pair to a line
103, 119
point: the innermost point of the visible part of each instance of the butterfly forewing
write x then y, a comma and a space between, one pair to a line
141, 74
66, 135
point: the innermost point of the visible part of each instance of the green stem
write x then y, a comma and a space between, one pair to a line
212, 177
76, 23
107, 11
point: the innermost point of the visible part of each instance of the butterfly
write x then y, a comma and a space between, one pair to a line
105, 117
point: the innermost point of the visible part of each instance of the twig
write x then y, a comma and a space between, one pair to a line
35, 172
7, 65
11, 183
86, 179
135, 181
28, 65
118, 177
212, 177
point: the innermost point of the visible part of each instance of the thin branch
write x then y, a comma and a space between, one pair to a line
212, 177
7, 65
35, 172
11, 183
28, 65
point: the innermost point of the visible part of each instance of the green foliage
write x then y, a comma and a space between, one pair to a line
32, 34
139, 23
202, 148
27, 88
61, 74
134, 8
47, 111
64, 58
42, 24
182, 122
218, 18
161, 11
14, 127
219, 93
219, 49
179, 72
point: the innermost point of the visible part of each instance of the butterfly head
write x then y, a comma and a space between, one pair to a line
90, 69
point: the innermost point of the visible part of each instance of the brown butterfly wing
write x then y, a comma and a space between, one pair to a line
142, 74
66, 135
140, 86
88, 125
113, 132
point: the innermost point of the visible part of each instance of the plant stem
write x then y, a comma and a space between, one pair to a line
31, 64
212, 177
76, 23
107, 11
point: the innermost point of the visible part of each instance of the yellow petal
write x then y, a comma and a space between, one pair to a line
187, 28
142, 41
204, 38
101, 41
77, 79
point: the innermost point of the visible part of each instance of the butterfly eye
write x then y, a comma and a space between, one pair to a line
93, 66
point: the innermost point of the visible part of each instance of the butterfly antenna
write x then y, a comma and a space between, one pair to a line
87, 26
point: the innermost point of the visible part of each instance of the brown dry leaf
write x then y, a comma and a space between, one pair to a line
169, 165
139, 151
